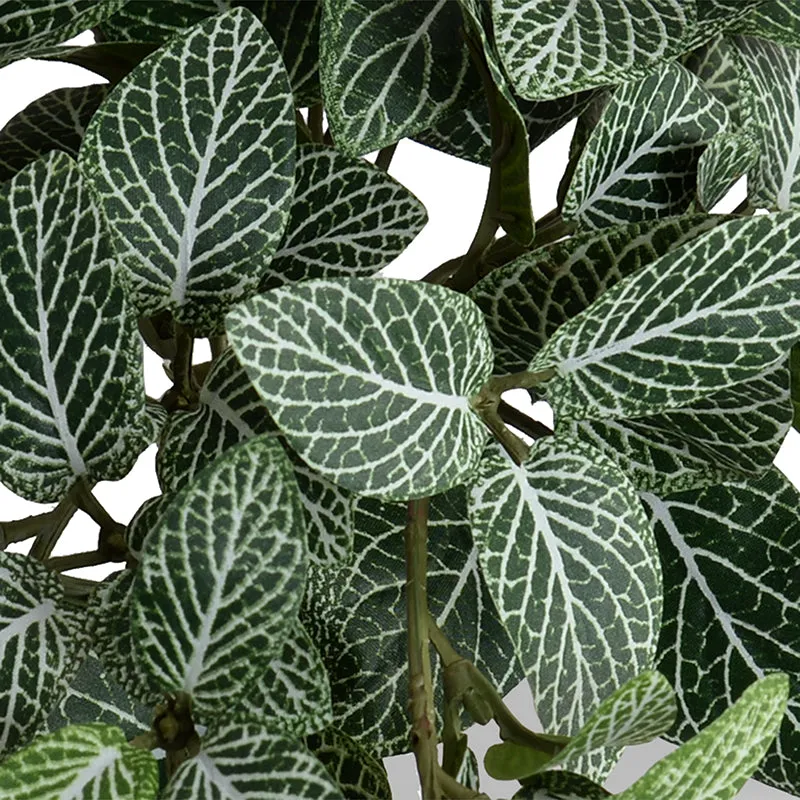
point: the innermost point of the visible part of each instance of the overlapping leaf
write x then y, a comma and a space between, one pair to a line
347, 218
776, 20
727, 158
358, 773
731, 563
737, 740
39, 645
525, 302
25, 27
771, 74
87, 761
55, 121
560, 786
640, 162
390, 68
142, 523
198, 211
293, 694
71, 387
714, 313
715, 65
551, 48
728, 435
230, 411
221, 577
248, 762
370, 380
155, 21
357, 616
573, 570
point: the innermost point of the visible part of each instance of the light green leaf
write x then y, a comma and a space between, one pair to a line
38, 644
716, 763
293, 694
348, 218
25, 27
87, 761
776, 20
714, 313
390, 68
360, 775
370, 380
640, 161
71, 387
572, 567
357, 616
727, 435
55, 121
157, 21
526, 301
715, 65
221, 577
551, 48
248, 762
93, 696
230, 411
198, 211
729, 156
772, 102
560, 786
731, 560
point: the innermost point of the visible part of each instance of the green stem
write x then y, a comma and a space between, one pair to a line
384, 157
50, 533
18, 530
91, 558
144, 741
512, 444
77, 588
315, 122
90, 505
456, 791
420, 681
218, 345
522, 422
184, 392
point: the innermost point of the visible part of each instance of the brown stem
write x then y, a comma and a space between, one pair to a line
91, 558
218, 345
54, 526
77, 588
304, 135
184, 392
90, 505
384, 157
522, 422
145, 741
18, 530
315, 122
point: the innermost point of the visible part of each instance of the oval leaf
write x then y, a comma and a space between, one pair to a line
729, 155
370, 380
192, 159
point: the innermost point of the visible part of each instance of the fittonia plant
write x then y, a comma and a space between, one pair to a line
360, 546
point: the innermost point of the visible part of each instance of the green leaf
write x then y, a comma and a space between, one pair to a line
294, 693
221, 577
572, 566
370, 380
390, 68
197, 209
157, 21
727, 435
509, 761
560, 786
356, 614
348, 218
526, 301
93, 696
729, 156
640, 161
730, 555
230, 411
142, 523
772, 103
776, 20
55, 121
469, 773
716, 763
25, 27
715, 64
551, 48
38, 644
71, 386
360, 775
714, 313
248, 762
795, 383
87, 761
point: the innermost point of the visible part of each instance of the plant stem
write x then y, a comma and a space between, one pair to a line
218, 345
90, 505
144, 741
522, 422
512, 444
77, 588
384, 157
184, 392
420, 682
53, 527
91, 558
457, 791
315, 122
18, 530
304, 135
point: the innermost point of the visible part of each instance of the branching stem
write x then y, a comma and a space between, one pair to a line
89, 504
57, 521
384, 157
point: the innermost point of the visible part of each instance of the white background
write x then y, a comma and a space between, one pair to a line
453, 192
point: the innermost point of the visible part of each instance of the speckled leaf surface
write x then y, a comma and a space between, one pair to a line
71, 384
248, 762
729, 156
390, 68
716, 312
572, 566
55, 121
370, 380
731, 560
194, 168
641, 160
221, 577
776, 20
561, 786
157, 21
715, 65
348, 218
357, 616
